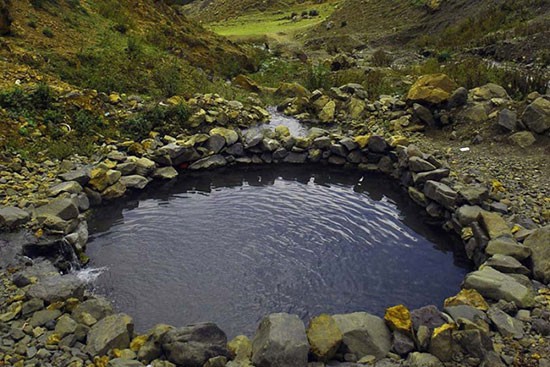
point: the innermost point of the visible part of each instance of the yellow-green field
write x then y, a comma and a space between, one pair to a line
274, 23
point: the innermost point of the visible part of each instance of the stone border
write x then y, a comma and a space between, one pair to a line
504, 264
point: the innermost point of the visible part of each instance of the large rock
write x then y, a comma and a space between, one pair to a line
324, 337
537, 115
193, 345
114, 191
57, 288
523, 139
280, 341
494, 224
209, 162
63, 208
165, 173
81, 175
505, 324
92, 310
417, 359
399, 319
431, 89
496, 285
102, 177
292, 90
364, 334
11, 217
230, 135
71, 187
539, 243
114, 331
508, 120
327, 112
507, 246
428, 316
489, 91
440, 193
134, 181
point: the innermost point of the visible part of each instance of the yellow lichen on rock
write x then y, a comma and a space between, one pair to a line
399, 318
324, 337
469, 297
362, 140
240, 348
138, 342
432, 89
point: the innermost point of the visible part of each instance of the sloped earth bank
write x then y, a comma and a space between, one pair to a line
501, 317
234, 245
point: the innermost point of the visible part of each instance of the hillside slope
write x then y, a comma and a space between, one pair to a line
114, 45
449, 24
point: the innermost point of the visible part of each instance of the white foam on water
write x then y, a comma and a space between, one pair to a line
89, 275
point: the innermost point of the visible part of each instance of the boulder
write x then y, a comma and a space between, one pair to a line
327, 112
465, 312
63, 208
294, 158
11, 217
149, 346
440, 193
475, 114
431, 89
507, 246
489, 91
71, 187
240, 348
399, 319
469, 297
506, 264
364, 334
280, 341
508, 120
144, 166
165, 173
57, 288
134, 181
494, 225
417, 164
230, 135
193, 345
458, 99
505, 324
82, 176
92, 310
324, 337
102, 177
496, 285
246, 83
209, 162
423, 114
417, 359
215, 143
42, 317
292, 90
539, 243
523, 139
468, 214
114, 331
428, 316
114, 191
537, 115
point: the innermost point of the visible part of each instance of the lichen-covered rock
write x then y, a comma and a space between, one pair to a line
324, 337
280, 341
165, 173
134, 181
431, 89
92, 310
364, 334
292, 90
399, 318
539, 243
195, 344
489, 91
230, 135
240, 348
114, 331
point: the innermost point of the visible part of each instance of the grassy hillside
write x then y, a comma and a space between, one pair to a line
139, 46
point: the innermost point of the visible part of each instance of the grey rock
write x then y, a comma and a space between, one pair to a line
280, 341
355, 156
435, 175
126, 168
474, 194
440, 193
458, 98
507, 246
418, 196
63, 208
295, 158
236, 150
417, 164
65, 325
165, 173
322, 142
417, 359
364, 334
269, 145
537, 115
42, 317
82, 176
428, 316
349, 144
98, 308
215, 143
144, 166
377, 144
336, 160
402, 344
468, 214
539, 243
339, 150
120, 362
506, 264
11, 217
114, 331
505, 324
424, 114
209, 162
508, 119
57, 288
187, 155
31, 306
71, 187
280, 153
496, 285
465, 312
194, 345
134, 181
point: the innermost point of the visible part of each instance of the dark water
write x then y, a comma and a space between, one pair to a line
232, 246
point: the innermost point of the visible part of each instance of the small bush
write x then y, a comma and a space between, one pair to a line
317, 77
381, 58
42, 97
47, 32
85, 122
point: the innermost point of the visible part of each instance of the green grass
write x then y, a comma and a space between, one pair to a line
272, 23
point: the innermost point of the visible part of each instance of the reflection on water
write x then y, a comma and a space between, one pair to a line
231, 246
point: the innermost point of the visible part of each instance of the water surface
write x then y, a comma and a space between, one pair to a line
231, 246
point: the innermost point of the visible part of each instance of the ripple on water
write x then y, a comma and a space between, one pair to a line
230, 247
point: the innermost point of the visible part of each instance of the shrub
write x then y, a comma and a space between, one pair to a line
85, 122
317, 77
42, 97
47, 32
381, 58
